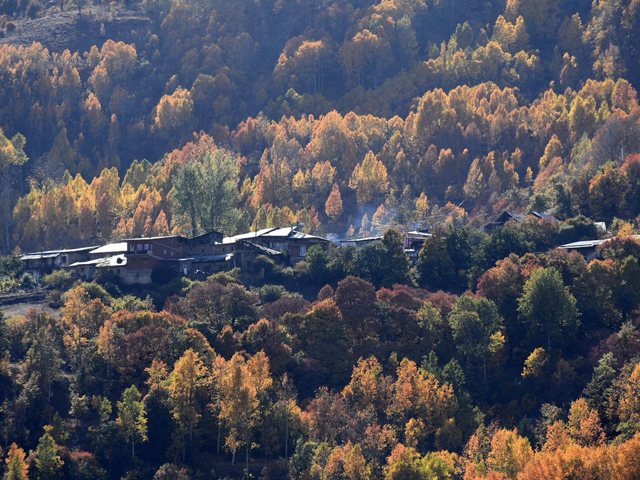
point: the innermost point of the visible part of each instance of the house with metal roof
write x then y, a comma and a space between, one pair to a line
288, 240
506, 216
587, 248
87, 270
38, 264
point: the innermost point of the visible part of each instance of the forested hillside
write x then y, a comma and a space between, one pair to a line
330, 111
490, 355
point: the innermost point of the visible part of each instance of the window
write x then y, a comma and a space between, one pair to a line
172, 253
139, 247
146, 246
82, 270
165, 251
303, 251
131, 247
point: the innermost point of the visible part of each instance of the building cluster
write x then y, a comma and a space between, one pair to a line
134, 259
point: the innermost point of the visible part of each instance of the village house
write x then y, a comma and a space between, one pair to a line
506, 216
134, 259
287, 240
413, 242
359, 242
38, 264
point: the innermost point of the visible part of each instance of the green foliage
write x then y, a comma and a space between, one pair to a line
48, 462
58, 279
548, 321
132, 417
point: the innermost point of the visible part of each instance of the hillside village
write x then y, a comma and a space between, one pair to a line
134, 259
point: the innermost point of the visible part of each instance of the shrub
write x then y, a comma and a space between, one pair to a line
262, 261
55, 299
58, 280
96, 291
271, 293
27, 282
34, 9
225, 278
10, 27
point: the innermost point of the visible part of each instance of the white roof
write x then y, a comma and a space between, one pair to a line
53, 253
286, 232
279, 232
114, 261
110, 248
246, 236
38, 256
584, 244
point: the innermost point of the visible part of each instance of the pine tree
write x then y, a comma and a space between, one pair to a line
48, 461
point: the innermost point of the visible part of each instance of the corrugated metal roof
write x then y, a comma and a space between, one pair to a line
151, 238
246, 236
110, 248
39, 256
584, 244
114, 261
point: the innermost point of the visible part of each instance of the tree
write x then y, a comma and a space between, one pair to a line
548, 307
188, 380
80, 4
369, 179
174, 113
477, 326
48, 461
242, 385
333, 206
355, 298
17, 468
132, 417
186, 194
435, 266
398, 265
220, 191
12, 157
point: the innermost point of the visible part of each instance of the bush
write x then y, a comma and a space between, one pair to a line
96, 291
27, 282
11, 27
132, 303
58, 280
34, 9
302, 269
262, 261
55, 299
10, 266
271, 293
225, 278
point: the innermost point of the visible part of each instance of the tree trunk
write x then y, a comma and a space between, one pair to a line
247, 452
218, 445
286, 434
133, 445
484, 372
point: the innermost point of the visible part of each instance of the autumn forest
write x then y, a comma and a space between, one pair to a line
487, 353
